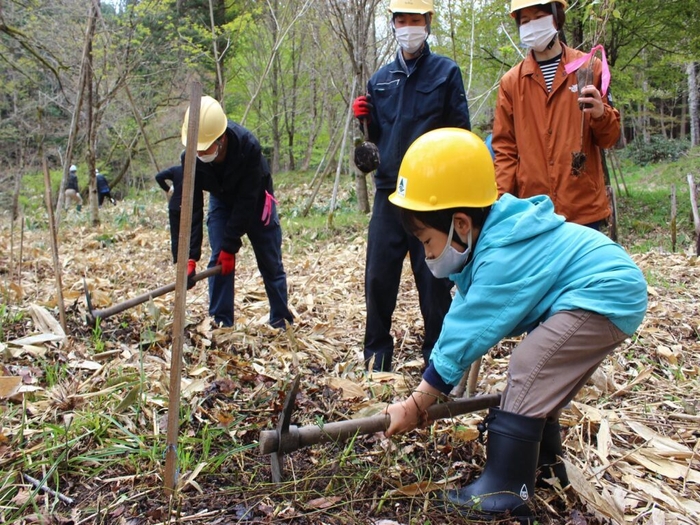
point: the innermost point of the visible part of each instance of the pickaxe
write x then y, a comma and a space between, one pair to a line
288, 438
94, 315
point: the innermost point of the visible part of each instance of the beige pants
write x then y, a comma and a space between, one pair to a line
73, 197
554, 361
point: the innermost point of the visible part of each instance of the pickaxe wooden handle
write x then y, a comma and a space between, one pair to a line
272, 441
94, 315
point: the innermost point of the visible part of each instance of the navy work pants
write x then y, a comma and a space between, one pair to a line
267, 246
387, 246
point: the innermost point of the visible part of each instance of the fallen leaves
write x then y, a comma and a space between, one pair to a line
631, 435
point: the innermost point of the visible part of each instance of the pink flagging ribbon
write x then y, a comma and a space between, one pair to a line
605, 80
267, 208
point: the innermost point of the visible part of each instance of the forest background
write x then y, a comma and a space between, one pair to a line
105, 85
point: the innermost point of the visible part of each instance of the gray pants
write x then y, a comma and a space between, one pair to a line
554, 361
72, 197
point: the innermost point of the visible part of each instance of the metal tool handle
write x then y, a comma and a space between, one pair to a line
115, 309
300, 437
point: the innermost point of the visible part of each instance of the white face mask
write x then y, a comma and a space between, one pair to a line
209, 158
538, 33
450, 260
411, 38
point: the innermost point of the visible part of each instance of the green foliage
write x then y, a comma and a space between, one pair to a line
8, 316
97, 340
658, 149
644, 216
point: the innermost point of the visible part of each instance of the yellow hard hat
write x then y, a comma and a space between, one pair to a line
515, 5
212, 123
446, 168
420, 7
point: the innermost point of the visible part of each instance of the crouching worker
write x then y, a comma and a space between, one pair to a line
231, 167
519, 268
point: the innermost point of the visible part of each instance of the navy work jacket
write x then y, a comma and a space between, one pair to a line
408, 104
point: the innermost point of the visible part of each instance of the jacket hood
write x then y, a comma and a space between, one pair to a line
513, 220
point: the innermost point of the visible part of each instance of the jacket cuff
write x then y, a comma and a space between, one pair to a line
433, 378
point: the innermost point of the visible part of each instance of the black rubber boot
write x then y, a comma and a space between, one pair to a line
508, 481
550, 464
381, 362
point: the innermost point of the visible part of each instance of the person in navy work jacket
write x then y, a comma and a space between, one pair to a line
231, 167
419, 91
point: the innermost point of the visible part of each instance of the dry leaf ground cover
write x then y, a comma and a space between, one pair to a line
83, 414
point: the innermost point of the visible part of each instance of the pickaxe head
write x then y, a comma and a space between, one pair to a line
283, 430
89, 317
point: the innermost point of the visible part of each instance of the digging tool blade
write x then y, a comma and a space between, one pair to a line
89, 317
282, 431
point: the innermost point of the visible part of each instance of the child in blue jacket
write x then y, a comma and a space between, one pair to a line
519, 268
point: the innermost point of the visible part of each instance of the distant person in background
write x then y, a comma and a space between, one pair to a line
538, 131
174, 192
489, 138
103, 191
72, 193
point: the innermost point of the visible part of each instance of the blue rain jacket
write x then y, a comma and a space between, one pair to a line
528, 264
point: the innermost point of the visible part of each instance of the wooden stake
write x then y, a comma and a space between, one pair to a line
181, 291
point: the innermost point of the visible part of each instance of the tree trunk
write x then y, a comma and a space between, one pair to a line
75, 118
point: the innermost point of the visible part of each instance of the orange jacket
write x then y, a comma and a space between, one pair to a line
535, 134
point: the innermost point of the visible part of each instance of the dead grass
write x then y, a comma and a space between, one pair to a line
85, 413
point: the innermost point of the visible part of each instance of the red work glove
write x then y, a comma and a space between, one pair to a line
362, 107
227, 262
191, 271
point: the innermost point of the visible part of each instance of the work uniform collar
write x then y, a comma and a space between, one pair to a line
402, 61
531, 67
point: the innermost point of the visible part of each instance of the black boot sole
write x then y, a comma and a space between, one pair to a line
476, 515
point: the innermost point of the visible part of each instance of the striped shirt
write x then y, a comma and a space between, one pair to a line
549, 69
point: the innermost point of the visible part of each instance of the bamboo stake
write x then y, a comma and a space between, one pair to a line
673, 218
14, 215
696, 215
54, 241
181, 291
21, 250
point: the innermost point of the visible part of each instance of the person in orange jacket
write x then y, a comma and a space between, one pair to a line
537, 127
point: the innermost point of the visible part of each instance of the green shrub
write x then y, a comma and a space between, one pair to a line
658, 149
